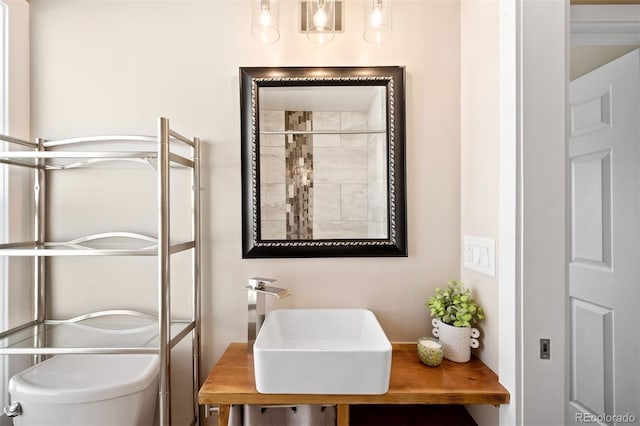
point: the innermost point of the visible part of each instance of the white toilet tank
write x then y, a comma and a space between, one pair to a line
87, 390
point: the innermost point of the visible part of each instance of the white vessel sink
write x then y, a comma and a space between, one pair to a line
322, 351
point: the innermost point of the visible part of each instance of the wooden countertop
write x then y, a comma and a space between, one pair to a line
232, 382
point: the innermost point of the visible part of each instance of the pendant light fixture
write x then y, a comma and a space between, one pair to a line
318, 19
377, 25
265, 20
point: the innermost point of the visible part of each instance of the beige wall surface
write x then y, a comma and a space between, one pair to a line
587, 58
113, 67
479, 165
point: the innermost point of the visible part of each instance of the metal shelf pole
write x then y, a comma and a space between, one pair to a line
39, 290
196, 292
39, 305
164, 307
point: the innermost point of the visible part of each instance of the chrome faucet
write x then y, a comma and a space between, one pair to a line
257, 289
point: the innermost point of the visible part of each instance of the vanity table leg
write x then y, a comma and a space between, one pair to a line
343, 415
223, 414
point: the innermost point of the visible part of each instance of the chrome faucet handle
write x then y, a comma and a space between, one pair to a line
259, 283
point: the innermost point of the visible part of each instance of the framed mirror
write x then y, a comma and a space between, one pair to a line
323, 161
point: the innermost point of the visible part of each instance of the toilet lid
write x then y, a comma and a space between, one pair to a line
70, 379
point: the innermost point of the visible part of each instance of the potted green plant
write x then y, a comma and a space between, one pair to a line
454, 312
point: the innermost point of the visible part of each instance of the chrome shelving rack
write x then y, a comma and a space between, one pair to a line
116, 331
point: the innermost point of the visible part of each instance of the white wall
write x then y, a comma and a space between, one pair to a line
113, 67
479, 165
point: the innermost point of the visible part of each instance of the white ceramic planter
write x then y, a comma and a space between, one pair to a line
456, 341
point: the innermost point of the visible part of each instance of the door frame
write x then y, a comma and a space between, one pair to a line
597, 25
533, 214
534, 247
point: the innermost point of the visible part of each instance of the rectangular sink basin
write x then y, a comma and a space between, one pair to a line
322, 351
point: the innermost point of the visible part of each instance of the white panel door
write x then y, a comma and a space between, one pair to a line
604, 151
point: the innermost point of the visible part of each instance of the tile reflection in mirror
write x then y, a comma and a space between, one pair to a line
335, 182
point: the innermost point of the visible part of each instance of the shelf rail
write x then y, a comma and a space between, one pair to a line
178, 136
17, 141
54, 334
80, 247
91, 157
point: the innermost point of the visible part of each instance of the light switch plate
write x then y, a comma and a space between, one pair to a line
480, 255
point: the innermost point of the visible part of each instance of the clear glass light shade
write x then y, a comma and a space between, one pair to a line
320, 20
265, 19
377, 20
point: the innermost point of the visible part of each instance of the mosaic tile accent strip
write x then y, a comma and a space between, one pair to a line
299, 176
